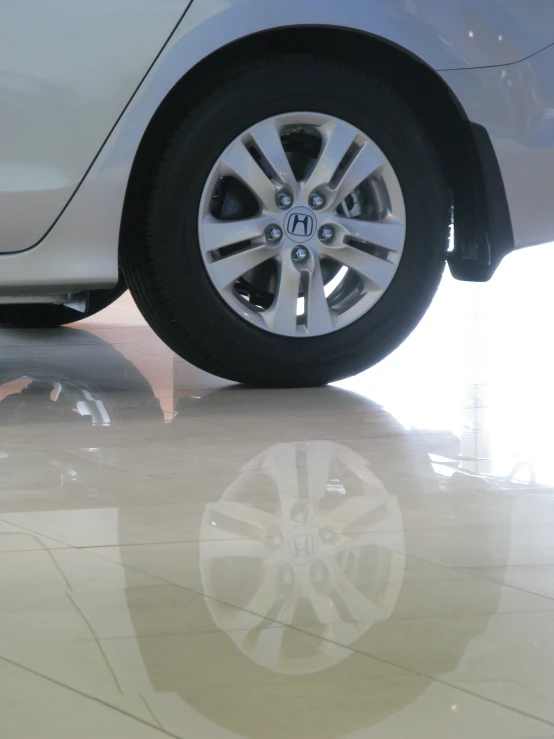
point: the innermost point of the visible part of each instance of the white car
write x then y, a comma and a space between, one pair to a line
279, 184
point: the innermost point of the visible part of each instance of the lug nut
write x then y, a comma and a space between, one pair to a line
326, 233
273, 234
284, 201
299, 254
316, 201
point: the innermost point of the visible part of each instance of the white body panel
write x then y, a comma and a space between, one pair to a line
82, 247
67, 70
515, 104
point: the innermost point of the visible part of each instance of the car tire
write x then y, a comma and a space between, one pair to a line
167, 274
52, 316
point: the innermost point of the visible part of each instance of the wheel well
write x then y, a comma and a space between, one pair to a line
420, 87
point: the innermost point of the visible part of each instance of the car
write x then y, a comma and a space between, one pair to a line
279, 185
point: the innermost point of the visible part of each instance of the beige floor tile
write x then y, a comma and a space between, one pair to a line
340, 592
50, 480
132, 524
421, 507
63, 570
475, 547
163, 609
15, 539
507, 658
40, 592
54, 615
30, 617
81, 665
327, 484
533, 578
262, 683
35, 708
280, 682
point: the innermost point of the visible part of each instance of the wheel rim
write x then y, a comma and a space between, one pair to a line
302, 224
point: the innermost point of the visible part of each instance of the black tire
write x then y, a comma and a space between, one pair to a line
52, 316
164, 267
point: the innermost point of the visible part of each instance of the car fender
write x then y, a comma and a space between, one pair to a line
85, 239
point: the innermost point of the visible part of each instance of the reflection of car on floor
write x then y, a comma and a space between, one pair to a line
280, 185
288, 532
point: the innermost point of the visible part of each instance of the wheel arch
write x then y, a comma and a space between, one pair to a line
483, 232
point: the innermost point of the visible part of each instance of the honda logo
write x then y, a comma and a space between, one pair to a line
301, 546
300, 224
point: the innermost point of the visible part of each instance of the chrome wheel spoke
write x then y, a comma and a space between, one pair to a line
267, 138
216, 234
367, 161
281, 317
281, 464
360, 607
325, 608
269, 649
267, 601
376, 271
238, 162
227, 270
338, 138
318, 314
389, 233
355, 513
318, 463
240, 519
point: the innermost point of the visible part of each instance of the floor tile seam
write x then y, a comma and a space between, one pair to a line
138, 637
96, 639
98, 643
93, 698
475, 575
400, 668
446, 568
172, 583
41, 549
283, 624
477, 614
166, 543
431, 678
36, 533
201, 594
269, 442
459, 570
440, 566
435, 528
104, 559
510, 527
137, 475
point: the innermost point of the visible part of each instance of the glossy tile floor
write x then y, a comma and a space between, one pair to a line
373, 561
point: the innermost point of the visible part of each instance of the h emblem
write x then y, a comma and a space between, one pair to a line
300, 224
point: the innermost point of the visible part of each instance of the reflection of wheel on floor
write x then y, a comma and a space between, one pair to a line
359, 593
296, 500
51, 316
295, 240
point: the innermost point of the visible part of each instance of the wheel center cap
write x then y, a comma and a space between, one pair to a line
300, 225
301, 546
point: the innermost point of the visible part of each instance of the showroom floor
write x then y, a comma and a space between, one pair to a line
373, 560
